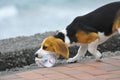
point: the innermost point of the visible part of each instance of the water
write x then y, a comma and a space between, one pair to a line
28, 17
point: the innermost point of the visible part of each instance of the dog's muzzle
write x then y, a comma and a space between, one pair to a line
41, 53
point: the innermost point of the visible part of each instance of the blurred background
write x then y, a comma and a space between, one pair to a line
28, 17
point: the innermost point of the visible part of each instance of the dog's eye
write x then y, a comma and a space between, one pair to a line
44, 47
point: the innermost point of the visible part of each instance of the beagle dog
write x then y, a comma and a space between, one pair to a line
87, 31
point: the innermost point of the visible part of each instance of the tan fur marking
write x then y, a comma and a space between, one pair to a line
116, 23
86, 38
56, 45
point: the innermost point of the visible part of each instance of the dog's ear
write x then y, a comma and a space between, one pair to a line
61, 48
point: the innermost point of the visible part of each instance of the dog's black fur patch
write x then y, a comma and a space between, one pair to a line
60, 35
100, 20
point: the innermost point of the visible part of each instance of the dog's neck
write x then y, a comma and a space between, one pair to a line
63, 35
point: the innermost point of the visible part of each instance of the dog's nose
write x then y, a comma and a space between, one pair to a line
36, 55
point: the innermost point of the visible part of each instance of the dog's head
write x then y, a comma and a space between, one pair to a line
53, 45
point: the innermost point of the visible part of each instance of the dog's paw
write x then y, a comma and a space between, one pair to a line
99, 59
71, 60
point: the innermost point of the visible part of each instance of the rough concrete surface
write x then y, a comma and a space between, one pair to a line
18, 52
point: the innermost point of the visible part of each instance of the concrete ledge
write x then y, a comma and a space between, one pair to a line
18, 52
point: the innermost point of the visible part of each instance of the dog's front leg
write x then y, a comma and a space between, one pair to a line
81, 53
92, 48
